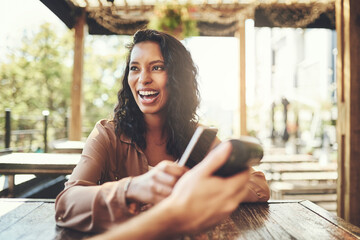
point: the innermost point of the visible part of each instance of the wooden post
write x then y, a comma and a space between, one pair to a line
66, 127
11, 185
76, 88
241, 36
348, 92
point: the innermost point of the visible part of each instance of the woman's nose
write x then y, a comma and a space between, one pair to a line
145, 77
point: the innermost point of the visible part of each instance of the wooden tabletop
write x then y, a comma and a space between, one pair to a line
34, 219
38, 163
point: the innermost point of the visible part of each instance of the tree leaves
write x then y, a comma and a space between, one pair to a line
37, 76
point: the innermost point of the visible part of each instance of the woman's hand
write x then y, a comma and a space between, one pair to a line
157, 184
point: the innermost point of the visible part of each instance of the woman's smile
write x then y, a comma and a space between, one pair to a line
148, 96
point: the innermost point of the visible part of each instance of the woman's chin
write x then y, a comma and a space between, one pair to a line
152, 109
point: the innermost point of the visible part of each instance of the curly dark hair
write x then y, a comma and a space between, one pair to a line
183, 95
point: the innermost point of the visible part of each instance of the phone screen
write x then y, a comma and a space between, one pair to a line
198, 146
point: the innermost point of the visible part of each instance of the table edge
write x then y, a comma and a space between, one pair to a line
43, 200
332, 218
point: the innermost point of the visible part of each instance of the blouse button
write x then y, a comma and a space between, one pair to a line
116, 178
59, 218
98, 182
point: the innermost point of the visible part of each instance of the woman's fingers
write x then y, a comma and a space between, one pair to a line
159, 192
171, 168
163, 190
164, 178
155, 185
167, 172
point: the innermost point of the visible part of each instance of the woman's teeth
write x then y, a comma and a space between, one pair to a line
148, 94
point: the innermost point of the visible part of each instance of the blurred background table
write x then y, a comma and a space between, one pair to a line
50, 168
66, 146
38, 163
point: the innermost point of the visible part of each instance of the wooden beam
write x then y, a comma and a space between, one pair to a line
64, 10
76, 88
348, 127
242, 80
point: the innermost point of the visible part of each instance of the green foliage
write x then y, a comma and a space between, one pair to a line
103, 70
34, 76
37, 76
175, 19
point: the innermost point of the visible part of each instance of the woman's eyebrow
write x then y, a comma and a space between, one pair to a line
151, 63
134, 62
157, 61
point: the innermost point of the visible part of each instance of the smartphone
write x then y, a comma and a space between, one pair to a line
246, 152
198, 146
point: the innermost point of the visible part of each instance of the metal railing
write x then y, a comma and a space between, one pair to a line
36, 133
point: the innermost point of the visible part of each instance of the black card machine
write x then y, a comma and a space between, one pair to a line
246, 152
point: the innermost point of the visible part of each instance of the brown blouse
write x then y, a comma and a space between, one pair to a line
93, 198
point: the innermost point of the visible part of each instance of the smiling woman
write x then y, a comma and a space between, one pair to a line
148, 78
131, 157
160, 67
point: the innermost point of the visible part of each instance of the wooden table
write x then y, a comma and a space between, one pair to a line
65, 146
298, 171
25, 219
36, 163
288, 158
299, 167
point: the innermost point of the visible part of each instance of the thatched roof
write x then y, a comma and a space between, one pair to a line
214, 17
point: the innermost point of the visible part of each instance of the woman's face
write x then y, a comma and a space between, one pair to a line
148, 77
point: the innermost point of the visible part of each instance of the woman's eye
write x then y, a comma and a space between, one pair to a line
133, 68
158, 68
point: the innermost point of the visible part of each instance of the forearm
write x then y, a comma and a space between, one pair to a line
160, 222
258, 188
91, 208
